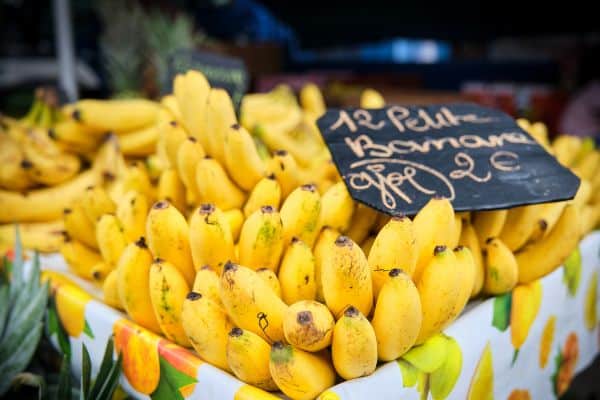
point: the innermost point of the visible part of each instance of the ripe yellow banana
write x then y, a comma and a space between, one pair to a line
116, 115
266, 192
285, 169
96, 202
587, 166
136, 178
548, 217
542, 257
171, 188
300, 214
210, 238
220, 116
235, 219
299, 374
12, 174
457, 230
248, 358
132, 211
519, 225
141, 142
308, 325
133, 284
45, 237
370, 98
169, 102
269, 277
79, 226
207, 283
215, 186
489, 224
207, 327
501, 270
433, 226
297, 273
80, 258
251, 303
324, 244
397, 316
243, 163
171, 137
362, 221
188, 156
111, 238
75, 137
110, 290
191, 91
337, 208
100, 271
354, 345
467, 266
439, 289
167, 234
168, 289
311, 100
397, 234
346, 277
261, 240
565, 149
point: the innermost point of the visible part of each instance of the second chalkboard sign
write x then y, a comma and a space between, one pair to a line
396, 158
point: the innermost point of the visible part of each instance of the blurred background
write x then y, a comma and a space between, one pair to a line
534, 60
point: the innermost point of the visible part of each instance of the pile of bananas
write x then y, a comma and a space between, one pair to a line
239, 239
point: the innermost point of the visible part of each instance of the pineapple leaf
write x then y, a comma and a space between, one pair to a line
16, 273
53, 327
20, 357
86, 372
105, 374
4, 306
64, 381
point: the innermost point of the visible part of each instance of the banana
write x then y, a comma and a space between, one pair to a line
467, 267
588, 145
266, 192
501, 270
100, 271
429, 356
370, 98
586, 167
362, 221
542, 257
116, 115
297, 273
13, 176
79, 226
251, 303
346, 277
584, 193
324, 244
211, 240
457, 231
188, 156
337, 208
489, 224
261, 240
300, 214
215, 186
519, 225
136, 178
243, 163
45, 237
168, 289
141, 142
207, 327
283, 166
220, 116
191, 91
207, 283
380, 222
397, 234
171, 189
443, 379
565, 149
439, 289
311, 100
354, 345
549, 215
167, 233
172, 135
433, 226
80, 258
111, 238
299, 374
588, 218
75, 136
133, 284
132, 211
235, 219
397, 316
96, 202
169, 102
269, 277
308, 325
248, 358
367, 244
110, 291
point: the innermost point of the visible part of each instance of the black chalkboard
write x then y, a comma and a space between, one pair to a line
221, 71
396, 158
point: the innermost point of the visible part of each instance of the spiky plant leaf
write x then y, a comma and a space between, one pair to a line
86, 372
107, 379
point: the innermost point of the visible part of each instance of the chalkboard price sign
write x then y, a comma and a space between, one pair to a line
396, 158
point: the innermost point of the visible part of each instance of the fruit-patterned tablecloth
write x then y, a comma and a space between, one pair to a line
528, 344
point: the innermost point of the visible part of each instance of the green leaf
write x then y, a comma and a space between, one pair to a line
112, 381
171, 380
17, 267
105, 368
514, 358
87, 330
64, 381
20, 357
501, 317
572, 271
86, 373
4, 307
55, 328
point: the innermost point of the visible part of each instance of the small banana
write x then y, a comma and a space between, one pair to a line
141, 142
116, 115
100, 271
170, 103
235, 218
261, 240
171, 137
308, 325
285, 169
137, 178
191, 91
220, 116
370, 98
266, 192
469, 239
172, 189
132, 211
79, 226
13, 175
467, 266
397, 316
216, 187
397, 234
241, 158
362, 221
300, 214
489, 224
207, 327
501, 270
133, 284
297, 273
457, 231
323, 245
45, 237
80, 258
110, 291
549, 215
337, 208
211, 240
168, 289
167, 234
111, 238
299, 374
311, 100
189, 154
269, 277
519, 225
248, 358
346, 277
75, 137
565, 149
96, 202
207, 283
354, 345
